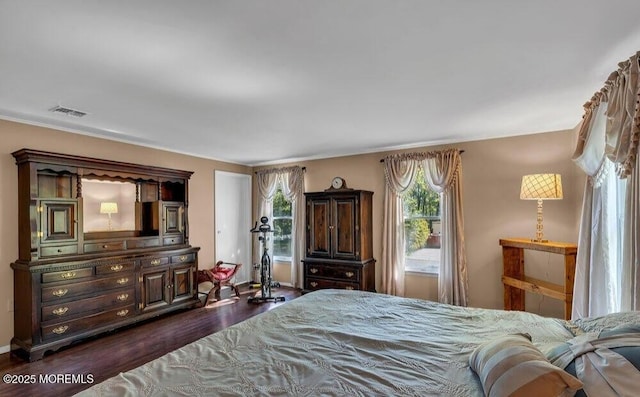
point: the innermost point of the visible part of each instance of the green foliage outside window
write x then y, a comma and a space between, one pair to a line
416, 234
282, 226
421, 209
281, 207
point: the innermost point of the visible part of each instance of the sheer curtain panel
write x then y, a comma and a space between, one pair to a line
443, 174
400, 173
607, 272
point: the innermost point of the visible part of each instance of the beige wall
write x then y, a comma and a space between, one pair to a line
491, 180
492, 171
14, 136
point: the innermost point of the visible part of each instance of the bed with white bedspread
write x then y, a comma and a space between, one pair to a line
338, 343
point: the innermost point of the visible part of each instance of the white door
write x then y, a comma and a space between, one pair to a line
233, 221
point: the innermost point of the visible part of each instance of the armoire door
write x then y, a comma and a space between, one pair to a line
319, 228
155, 289
344, 221
58, 221
172, 217
182, 283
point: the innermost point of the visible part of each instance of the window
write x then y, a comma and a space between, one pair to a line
422, 228
282, 223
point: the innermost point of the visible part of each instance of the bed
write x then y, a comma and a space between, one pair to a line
343, 343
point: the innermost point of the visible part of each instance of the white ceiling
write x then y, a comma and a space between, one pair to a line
265, 81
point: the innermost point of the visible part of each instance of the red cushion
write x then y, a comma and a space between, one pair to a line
223, 273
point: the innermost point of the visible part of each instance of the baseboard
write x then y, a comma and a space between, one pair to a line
5, 349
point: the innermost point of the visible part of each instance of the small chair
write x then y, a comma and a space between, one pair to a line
220, 275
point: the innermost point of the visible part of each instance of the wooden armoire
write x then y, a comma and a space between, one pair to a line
75, 277
339, 241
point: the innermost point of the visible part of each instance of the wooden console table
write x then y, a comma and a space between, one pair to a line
516, 283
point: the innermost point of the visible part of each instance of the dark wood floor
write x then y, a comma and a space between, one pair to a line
128, 348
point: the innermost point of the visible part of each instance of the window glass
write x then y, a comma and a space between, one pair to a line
282, 223
422, 228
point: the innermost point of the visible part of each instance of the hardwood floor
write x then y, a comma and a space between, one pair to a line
131, 347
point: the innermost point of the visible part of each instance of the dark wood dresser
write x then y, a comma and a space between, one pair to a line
339, 241
75, 277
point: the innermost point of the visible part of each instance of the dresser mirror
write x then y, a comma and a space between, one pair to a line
108, 206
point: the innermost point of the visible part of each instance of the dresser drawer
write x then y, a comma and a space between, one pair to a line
143, 243
64, 328
88, 306
311, 283
115, 268
347, 273
67, 275
104, 246
172, 240
59, 250
152, 262
183, 258
64, 291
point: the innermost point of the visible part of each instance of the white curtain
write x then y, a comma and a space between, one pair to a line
400, 173
291, 181
443, 174
607, 279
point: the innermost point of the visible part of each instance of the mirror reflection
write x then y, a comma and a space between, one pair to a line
108, 205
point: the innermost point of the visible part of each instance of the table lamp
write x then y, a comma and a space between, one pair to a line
541, 187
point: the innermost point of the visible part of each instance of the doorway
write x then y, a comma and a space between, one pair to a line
233, 221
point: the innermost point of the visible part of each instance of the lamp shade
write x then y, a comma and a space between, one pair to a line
541, 187
108, 208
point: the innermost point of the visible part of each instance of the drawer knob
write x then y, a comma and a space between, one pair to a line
123, 280
60, 311
122, 297
313, 270
116, 268
183, 258
155, 262
60, 292
122, 313
105, 246
60, 330
69, 275
349, 274
313, 284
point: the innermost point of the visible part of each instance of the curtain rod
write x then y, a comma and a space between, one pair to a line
382, 160
304, 169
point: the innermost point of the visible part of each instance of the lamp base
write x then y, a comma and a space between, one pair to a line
539, 234
533, 240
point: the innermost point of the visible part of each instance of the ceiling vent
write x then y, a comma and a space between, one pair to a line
67, 111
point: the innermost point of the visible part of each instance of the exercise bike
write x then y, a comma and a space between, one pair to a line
265, 265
